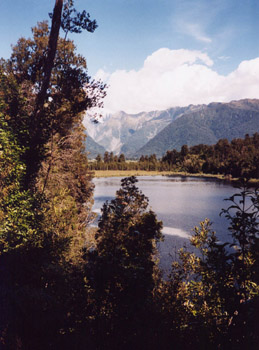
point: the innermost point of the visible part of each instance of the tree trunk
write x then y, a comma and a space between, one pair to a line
33, 156
52, 48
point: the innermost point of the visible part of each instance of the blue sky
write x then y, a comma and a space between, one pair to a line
130, 31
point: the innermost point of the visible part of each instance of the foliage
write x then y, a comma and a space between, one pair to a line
55, 291
212, 295
120, 269
238, 159
17, 218
45, 190
111, 162
76, 23
66, 183
70, 93
29, 255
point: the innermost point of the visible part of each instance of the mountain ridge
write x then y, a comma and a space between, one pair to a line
93, 148
158, 131
207, 125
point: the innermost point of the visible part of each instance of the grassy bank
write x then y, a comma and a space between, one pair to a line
126, 173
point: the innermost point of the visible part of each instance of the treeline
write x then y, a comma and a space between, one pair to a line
65, 285
114, 162
238, 158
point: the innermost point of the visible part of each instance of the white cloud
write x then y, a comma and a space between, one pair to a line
178, 78
102, 75
195, 30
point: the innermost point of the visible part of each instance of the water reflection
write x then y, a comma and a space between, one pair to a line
172, 231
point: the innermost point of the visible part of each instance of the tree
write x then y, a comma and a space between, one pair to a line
121, 158
171, 158
76, 23
120, 269
106, 157
21, 77
211, 297
98, 158
56, 87
45, 188
49, 61
111, 157
184, 151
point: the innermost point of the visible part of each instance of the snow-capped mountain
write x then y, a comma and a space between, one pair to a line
127, 133
158, 131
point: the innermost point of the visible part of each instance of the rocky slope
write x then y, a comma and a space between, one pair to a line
158, 131
206, 125
127, 133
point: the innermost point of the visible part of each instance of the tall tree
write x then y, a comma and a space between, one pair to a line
51, 52
120, 270
44, 90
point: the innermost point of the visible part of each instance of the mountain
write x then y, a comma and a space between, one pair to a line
158, 131
206, 124
151, 128
127, 133
93, 148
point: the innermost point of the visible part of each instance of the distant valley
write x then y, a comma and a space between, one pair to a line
159, 131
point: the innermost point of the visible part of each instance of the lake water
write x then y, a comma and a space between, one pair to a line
180, 202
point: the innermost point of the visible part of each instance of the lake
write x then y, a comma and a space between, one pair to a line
180, 202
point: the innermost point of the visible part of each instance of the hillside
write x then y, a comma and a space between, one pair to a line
127, 133
158, 131
206, 125
93, 148
151, 128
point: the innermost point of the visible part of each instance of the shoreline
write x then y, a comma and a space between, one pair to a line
121, 173
126, 173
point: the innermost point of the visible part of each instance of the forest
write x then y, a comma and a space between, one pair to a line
66, 285
238, 158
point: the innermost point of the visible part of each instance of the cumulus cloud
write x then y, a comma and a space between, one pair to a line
177, 78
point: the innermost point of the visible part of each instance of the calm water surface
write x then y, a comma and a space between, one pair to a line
181, 203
